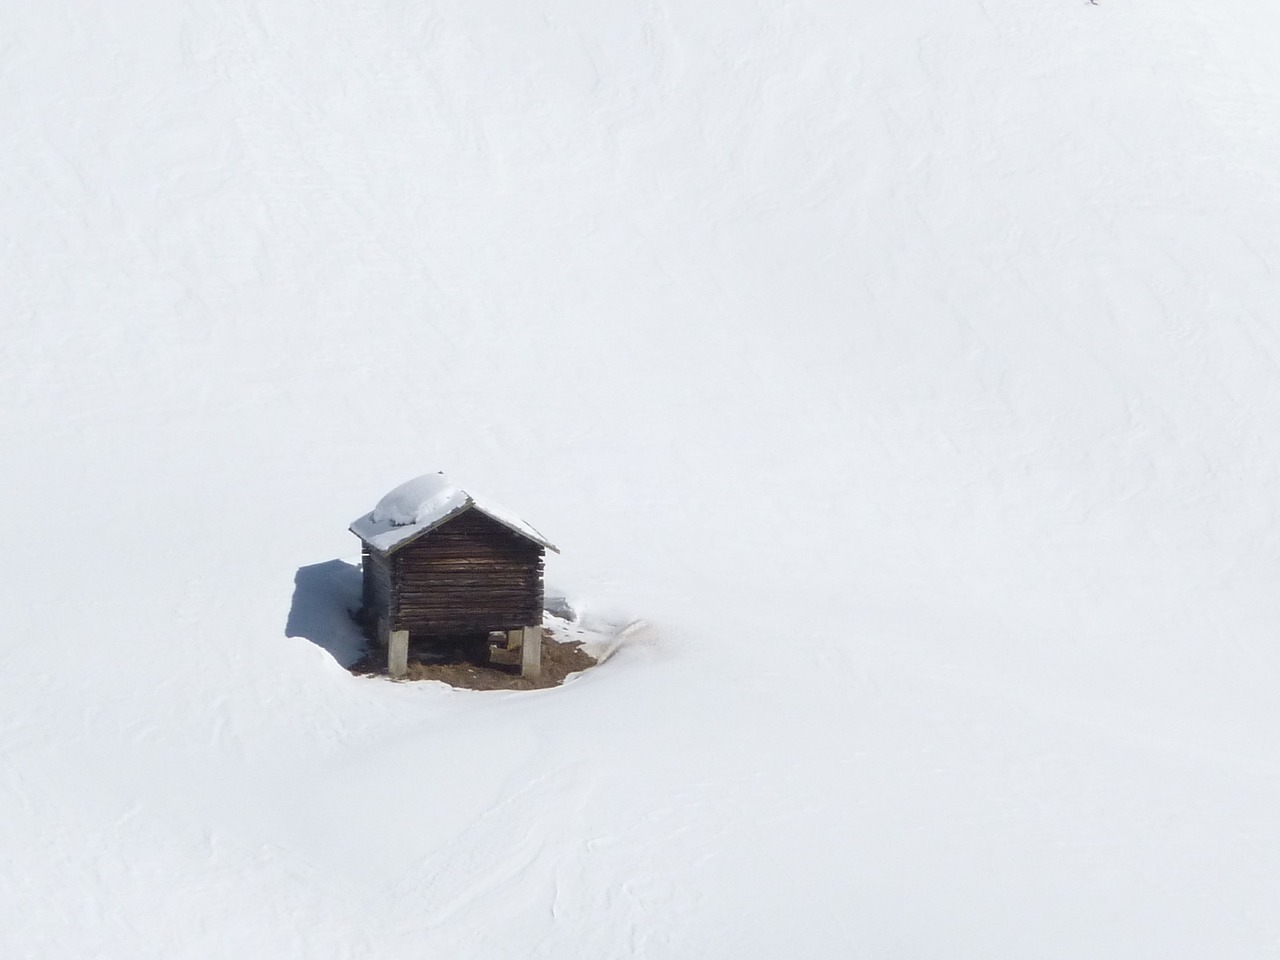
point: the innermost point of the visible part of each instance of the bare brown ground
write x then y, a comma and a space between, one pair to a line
500, 672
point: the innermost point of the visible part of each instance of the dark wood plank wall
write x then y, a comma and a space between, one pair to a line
471, 574
377, 585
366, 580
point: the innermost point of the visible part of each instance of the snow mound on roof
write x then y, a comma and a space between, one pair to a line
425, 502
419, 501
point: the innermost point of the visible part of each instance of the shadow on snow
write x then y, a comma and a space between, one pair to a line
323, 593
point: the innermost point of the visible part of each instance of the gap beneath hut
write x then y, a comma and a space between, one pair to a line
474, 663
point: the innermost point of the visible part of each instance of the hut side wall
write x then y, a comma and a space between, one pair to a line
469, 575
377, 585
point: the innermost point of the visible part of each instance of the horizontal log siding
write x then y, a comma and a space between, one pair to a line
469, 575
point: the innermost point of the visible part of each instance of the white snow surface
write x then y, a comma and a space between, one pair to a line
419, 501
425, 502
901, 382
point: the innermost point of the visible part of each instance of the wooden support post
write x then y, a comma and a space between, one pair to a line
398, 654
382, 632
531, 652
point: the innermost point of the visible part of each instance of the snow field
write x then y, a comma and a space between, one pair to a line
909, 369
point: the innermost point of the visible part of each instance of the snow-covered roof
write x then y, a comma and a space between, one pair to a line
423, 504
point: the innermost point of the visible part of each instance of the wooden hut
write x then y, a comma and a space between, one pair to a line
440, 562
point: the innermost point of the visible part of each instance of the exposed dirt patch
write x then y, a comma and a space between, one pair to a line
479, 666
